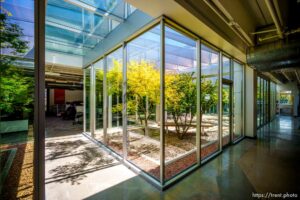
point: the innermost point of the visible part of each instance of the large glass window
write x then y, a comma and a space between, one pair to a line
17, 84
226, 113
87, 85
99, 74
114, 135
237, 100
259, 101
180, 102
138, 139
209, 101
143, 101
226, 68
266, 101
272, 100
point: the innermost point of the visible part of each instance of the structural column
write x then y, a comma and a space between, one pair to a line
250, 102
39, 101
162, 101
124, 103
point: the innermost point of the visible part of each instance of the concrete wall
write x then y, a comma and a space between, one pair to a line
292, 86
250, 102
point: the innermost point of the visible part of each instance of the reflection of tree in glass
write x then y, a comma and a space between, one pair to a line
225, 99
208, 97
15, 85
99, 88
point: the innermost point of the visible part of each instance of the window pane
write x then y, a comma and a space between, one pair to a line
17, 83
237, 100
114, 101
143, 96
226, 68
180, 102
258, 101
209, 101
99, 73
226, 113
87, 98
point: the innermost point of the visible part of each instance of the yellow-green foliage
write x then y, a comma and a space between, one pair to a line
143, 80
114, 78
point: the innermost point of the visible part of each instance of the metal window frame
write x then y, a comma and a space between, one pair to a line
92, 101
220, 101
84, 101
124, 101
105, 102
162, 102
39, 100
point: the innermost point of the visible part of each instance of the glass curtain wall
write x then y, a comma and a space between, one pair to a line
87, 87
226, 68
180, 102
272, 100
209, 117
259, 101
138, 140
237, 100
143, 101
226, 101
17, 85
226, 114
99, 97
114, 137
266, 101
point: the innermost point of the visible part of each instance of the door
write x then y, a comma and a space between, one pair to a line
226, 113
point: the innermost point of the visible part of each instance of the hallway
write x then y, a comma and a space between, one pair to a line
268, 164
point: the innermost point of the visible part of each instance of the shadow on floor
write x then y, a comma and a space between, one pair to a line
81, 159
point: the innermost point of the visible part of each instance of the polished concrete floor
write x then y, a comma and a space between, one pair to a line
270, 163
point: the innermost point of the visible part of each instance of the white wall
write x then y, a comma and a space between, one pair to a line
250, 102
70, 96
291, 86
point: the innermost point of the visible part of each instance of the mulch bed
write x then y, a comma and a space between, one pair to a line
173, 148
19, 182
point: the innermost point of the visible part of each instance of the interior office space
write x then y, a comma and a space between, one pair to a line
176, 92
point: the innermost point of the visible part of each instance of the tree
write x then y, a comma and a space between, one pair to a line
181, 100
142, 91
16, 88
208, 97
143, 94
143, 83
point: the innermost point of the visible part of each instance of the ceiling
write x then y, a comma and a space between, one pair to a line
76, 26
268, 31
58, 76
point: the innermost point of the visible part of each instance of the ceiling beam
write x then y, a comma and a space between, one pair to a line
298, 76
219, 9
286, 76
274, 16
54, 23
95, 10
